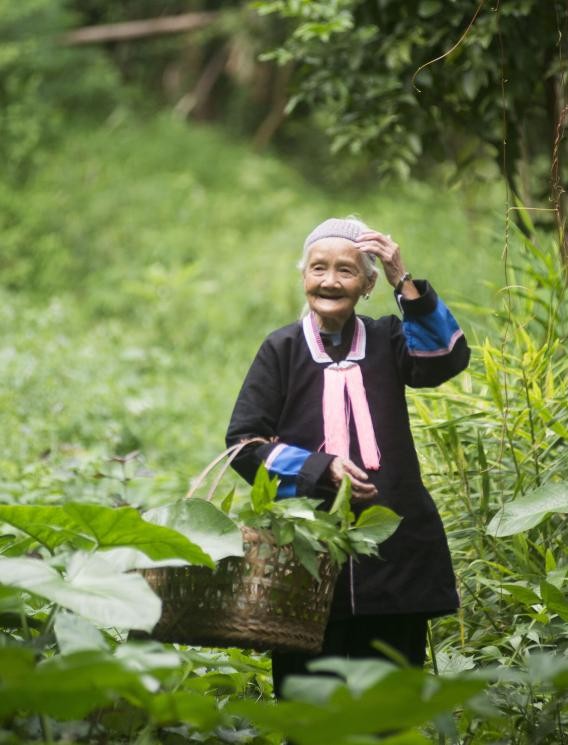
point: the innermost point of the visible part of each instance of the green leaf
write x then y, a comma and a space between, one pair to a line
492, 375
11, 600
484, 473
263, 492
227, 502
51, 525
126, 527
149, 658
554, 599
525, 215
75, 634
451, 664
313, 689
16, 663
342, 503
524, 595
92, 589
358, 674
408, 698
306, 553
94, 526
283, 531
299, 508
201, 523
65, 687
377, 523
184, 706
549, 561
529, 510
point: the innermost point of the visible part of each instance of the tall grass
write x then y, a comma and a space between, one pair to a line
496, 434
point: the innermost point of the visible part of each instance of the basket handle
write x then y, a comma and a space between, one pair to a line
230, 454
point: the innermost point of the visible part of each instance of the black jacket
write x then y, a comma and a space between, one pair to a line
281, 398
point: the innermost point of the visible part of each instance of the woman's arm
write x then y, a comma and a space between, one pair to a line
430, 346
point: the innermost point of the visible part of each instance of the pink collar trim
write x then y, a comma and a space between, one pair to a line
317, 349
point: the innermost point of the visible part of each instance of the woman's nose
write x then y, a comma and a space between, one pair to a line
330, 278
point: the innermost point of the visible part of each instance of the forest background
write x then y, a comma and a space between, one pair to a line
155, 191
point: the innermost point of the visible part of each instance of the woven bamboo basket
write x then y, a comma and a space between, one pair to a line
263, 600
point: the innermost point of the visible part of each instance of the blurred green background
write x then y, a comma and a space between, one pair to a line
153, 204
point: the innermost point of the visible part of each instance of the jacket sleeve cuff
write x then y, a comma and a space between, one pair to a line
422, 305
312, 471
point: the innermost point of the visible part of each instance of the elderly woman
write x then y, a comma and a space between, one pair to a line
328, 394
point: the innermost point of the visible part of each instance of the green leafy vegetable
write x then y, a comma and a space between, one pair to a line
91, 526
201, 523
92, 588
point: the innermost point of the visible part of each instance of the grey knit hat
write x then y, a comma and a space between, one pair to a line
349, 228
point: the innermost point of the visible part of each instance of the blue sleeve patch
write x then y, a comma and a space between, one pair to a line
286, 462
432, 335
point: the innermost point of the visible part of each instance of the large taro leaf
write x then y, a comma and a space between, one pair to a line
75, 634
63, 687
71, 686
16, 663
92, 588
92, 526
527, 511
403, 699
202, 523
192, 708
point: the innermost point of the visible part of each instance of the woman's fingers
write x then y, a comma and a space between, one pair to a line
355, 471
361, 488
388, 253
374, 235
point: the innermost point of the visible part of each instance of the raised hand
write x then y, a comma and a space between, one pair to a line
388, 252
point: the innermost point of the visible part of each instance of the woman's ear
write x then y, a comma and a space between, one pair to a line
371, 282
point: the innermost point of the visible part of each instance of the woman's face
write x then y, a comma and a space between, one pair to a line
334, 280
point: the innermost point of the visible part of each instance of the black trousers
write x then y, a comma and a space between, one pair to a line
352, 637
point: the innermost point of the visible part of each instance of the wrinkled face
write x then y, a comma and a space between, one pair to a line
334, 280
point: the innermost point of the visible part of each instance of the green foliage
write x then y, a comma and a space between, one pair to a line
297, 521
81, 670
390, 80
499, 468
40, 81
338, 713
64, 665
530, 510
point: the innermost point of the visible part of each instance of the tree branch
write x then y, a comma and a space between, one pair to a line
138, 29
